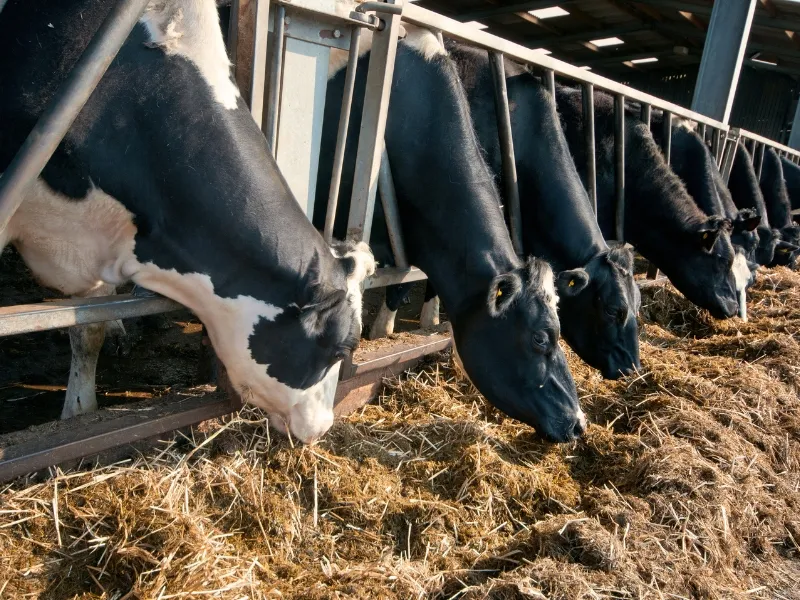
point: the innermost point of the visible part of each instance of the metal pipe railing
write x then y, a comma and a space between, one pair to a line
509, 166
619, 167
587, 98
275, 73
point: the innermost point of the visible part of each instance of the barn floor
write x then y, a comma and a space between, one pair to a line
687, 485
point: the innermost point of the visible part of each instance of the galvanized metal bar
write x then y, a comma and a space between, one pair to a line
391, 211
619, 166
666, 132
550, 82
27, 318
275, 75
258, 63
373, 125
701, 131
749, 135
646, 112
392, 276
341, 136
715, 143
730, 156
233, 33
503, 116
759, 159
68, 101
587, 97
95, 438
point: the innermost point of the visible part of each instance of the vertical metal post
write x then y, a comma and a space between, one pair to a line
666, 143
341, 135
715, 142
758, 160
391, 211
701, 131
510, 185
550, 82
588, 136
646, 112
65, 105
258, 65
275, 73
723, 53
373, 124
233, 33
619, 166
727, 161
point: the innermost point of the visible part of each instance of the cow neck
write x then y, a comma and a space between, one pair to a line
743, 185
558, 221
776, 197
791, 175
654, 194
693, 163
449, 206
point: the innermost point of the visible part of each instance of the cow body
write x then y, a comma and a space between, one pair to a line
558, 224
164, 179
779, 208
791, 176
661, 220
502, 310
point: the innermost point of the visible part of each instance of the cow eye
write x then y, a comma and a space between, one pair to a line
541, 339
611, 311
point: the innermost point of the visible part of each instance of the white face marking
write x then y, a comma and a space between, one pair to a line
190, 28
741, 272
549, 287
364, 267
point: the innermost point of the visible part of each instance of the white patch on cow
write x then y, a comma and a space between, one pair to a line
383, 324
741, 276
429, 317
549, 289
190, 28
364, 267
420, 39
685, 123
582, 419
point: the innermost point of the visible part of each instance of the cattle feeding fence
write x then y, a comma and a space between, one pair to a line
281, 36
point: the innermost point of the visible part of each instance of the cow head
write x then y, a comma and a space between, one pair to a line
786, 254
508, 343
701, 267
744, 232
598, 311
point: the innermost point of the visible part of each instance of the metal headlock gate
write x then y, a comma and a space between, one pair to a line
289, 52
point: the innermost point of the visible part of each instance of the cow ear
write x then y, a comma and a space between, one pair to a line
315, 314
751, 224
571, 283
503, 290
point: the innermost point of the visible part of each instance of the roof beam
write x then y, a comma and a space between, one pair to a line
586, 36
699, 9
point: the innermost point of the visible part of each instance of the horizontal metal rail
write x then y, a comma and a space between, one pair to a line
749, 135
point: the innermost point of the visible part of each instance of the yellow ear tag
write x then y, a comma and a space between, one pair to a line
705, 236
571, 282
499, 293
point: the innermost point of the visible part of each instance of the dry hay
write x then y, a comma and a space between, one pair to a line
687, 485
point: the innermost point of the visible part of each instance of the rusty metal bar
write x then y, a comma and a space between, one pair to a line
68, 101
619, 166
391, 211
95, 438
341, 136
27, 318
275, 74
587, 98
373, 121
510, 184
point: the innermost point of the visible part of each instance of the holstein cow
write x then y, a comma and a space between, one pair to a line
502, 310
791, 176
165, 179
779, 207
599, 318
692, 161
661, 220
746, 194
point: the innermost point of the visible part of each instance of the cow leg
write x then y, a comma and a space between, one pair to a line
383, 324
86, 342
429, 317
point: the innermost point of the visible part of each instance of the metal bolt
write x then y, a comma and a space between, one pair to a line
337, 34
287, 20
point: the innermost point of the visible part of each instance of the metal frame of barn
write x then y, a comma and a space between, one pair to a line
287, 82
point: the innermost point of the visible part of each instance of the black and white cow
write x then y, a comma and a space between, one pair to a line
165, 179
692, 161
746, 194
779, 208
661, 220
502, 309
598, 319
791, 176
